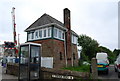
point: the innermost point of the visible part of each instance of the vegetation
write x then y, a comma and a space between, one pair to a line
111, 55
90, 47
116, 52
83, 68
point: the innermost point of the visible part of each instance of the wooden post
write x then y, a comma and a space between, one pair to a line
94, 68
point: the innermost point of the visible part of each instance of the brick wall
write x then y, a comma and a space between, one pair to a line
47, 47
56, 49
75, 52
53, 48
59, 53
46, 73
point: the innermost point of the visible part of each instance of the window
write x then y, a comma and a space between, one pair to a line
45, 33
61, 56
60, 34
36, 34
29, 36
32, 35
49, 32
55, 32
74, 39
40, 33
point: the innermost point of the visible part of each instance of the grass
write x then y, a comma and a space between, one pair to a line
82, 68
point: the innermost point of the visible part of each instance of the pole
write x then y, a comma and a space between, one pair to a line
18, 40
14, 27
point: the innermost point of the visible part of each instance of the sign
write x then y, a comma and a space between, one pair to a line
9, 45
62, 77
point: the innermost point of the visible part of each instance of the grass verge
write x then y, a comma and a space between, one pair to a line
82, 68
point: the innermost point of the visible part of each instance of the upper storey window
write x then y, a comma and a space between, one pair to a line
40, 34
59, 34
46, 33
74, 39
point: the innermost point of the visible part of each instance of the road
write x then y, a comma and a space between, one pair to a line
6, 77
111, 76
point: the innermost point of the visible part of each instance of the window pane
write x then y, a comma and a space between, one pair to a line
32, 35
24, 55
45, 33
34, 61
40, 33
55, 32
62, 35
29, 36
59, 34
36, 34
49, 32
73, 39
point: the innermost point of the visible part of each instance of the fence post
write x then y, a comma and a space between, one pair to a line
94, 68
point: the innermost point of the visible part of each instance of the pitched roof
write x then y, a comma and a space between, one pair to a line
43, 20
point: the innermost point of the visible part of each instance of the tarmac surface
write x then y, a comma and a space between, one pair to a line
4, 76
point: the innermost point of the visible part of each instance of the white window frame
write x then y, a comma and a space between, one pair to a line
55, 32
37, 34
59, 35
32, 35
74, 39
41, 34
49, 31
29, 36
63, 34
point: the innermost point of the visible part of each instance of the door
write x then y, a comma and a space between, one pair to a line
34, 62
23, 64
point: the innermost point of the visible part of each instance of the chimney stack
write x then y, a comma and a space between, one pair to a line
67, 18
67, 24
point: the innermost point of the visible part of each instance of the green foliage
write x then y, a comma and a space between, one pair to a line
111, 55
89, 47
104, 49
116, 52
82, 68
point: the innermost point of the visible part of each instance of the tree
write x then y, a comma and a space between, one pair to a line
116, 52
111, 55
89, 46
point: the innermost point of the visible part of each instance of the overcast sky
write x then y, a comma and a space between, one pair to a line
95, 18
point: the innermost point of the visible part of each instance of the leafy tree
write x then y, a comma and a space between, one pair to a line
116, 52
111, 55
89, 47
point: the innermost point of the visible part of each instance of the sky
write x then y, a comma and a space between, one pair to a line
95, 18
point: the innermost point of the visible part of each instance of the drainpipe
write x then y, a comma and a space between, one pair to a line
65, 50
71, 51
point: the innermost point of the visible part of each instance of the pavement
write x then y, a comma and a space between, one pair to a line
4, 76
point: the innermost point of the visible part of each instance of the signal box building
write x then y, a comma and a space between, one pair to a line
57, 39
